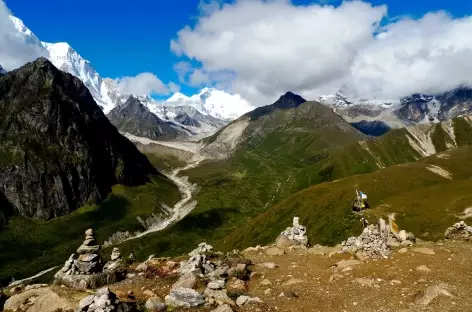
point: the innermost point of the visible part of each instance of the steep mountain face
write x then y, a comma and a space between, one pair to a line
135, 118
58, 151
2, 71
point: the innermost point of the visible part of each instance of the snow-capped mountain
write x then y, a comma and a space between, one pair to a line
213, 102
407, 111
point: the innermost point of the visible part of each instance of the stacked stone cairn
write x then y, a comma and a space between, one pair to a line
377, 240
87, 270
292, 236
224, 275
103, 301
460, 230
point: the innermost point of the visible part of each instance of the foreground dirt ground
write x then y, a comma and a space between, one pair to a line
314, 280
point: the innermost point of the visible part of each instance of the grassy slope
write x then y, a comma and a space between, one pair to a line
28, 246
426, 203
236, 190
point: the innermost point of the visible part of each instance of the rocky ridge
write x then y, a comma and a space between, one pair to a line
58, 151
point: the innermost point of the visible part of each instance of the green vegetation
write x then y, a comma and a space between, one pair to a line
28, 246
426, 203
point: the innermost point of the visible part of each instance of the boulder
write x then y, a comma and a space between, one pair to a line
155, 304
42, 300
184, 297
188, 280
218, 296
218, 284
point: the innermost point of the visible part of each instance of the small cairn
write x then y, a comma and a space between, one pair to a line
103, 301
89, 261
86, 270
115, 260
198, 260
460, 230
376, 240
292, 236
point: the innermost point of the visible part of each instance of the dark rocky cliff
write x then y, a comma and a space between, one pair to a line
58, 151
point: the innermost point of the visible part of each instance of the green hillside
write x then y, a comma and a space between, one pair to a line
426, 202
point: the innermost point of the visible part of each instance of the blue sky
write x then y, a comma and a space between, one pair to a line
125, 38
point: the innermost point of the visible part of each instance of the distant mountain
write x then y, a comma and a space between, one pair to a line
209, 103
136, 118
290, 128
369, 115
213, 102
58, 151
2, 71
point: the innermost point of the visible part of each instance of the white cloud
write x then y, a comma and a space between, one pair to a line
15, 51
144, 83
273, 46
173, 87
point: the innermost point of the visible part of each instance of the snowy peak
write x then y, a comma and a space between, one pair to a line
213, 102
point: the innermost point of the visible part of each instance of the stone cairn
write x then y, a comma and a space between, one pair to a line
198, 260
87, 270
460, 230
376, 240
88, 262
103, 301
294, 235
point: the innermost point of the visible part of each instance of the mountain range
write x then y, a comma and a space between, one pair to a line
211, 108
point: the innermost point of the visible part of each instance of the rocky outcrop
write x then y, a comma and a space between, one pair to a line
87, 270
39, 298
58, 151
294, 235
135, 118
460, 230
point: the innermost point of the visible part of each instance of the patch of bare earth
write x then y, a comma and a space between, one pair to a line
395, 284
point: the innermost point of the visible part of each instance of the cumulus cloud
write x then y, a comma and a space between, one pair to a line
15, 49
273, 46
144, 83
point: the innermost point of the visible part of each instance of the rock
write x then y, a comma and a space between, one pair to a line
219, 296
252, 249
403, 250
142, 267
223, 308
149, 293
423, 268
269, 265
293, 281
218, 284
87, 267
155, 304
85, 302
274, 251
432, 292
265, 282
347, 263
424, 251
402, 236
294, 235
88, 257
115, 254
459, 230
89, 232
335, 277
42, 299
188, 280
406, 243
35, 286
184, 297
365, 281
132, 257
241, 267
88, 281
288, 294
236, 285
84, 249
268, 291
242, 300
